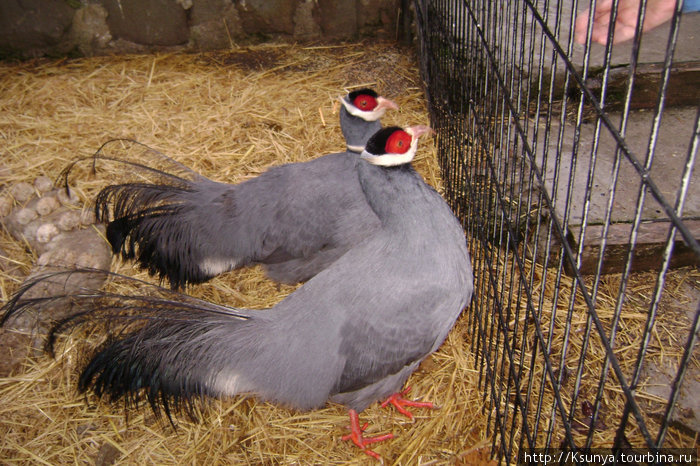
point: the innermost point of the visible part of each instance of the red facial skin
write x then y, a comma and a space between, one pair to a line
365, 102
398, 143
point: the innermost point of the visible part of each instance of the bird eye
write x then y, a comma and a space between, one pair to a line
398, 143
365, 102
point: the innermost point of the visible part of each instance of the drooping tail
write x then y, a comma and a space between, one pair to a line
145, 223
146, 220
163, 347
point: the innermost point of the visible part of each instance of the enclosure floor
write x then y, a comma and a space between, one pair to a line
666, 172
670, 152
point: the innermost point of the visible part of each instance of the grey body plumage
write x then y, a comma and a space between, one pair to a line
295, 219
352, 334
288, 218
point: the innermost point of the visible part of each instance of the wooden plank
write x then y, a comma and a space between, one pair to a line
683, 85
648, 250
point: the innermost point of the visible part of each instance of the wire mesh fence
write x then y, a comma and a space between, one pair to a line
571, 165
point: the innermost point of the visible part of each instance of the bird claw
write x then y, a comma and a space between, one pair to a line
399, 403
358, 439
356, 430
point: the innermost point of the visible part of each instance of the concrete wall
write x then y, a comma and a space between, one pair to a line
31, 28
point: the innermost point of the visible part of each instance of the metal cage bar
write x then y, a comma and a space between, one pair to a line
521, 113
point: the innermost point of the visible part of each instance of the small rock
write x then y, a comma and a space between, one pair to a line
22, 191
43, 184
46, 232
87, 217
107, 455
69, 220
46, 205
67, 198
89, 30
5, 206
29, 233
83, 429
90, 260
24, 216
44, 259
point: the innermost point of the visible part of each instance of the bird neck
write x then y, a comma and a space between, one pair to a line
393, 193
356, 131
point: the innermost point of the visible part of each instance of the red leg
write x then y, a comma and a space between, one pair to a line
399, 403
358, 439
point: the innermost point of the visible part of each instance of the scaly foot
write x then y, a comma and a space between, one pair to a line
358, 439
400, 403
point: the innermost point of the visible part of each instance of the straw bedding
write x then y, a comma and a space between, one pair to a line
661, 359
228, 115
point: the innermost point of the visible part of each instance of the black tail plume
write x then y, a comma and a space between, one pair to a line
157, 346
140, 215
145, 223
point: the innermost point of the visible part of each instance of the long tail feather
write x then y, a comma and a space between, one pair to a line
144, 218
158, 346
146, 151
149, 223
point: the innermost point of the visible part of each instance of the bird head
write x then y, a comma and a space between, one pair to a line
367, 104
393, 146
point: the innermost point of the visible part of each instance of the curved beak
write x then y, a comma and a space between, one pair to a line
386, 103
419, 130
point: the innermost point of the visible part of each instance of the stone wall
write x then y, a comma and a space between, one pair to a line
31, 28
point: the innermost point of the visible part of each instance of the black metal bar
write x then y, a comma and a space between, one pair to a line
493, 106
